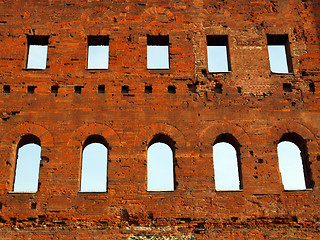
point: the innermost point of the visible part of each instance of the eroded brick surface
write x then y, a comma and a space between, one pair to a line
250, 104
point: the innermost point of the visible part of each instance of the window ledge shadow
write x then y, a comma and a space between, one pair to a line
96, 69
34, 69
297, 190
219, 72
228, 191
12, 192
92, 192
278, 73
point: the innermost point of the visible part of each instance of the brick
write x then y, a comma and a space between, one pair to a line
252, 106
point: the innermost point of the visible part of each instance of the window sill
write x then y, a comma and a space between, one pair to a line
92, 193
159, 191
276, 73
96, 69
297, 190
11, 192
228, 191
33, 69
219, 72
159, 70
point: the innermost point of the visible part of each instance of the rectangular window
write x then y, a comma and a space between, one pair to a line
98, 52
218, 53
279, 54
37, 52
158, 52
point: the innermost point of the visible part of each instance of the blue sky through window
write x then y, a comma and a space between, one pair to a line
290, 165
160, 168
225, 163
217, 59
27, 168
37, 57
278, 58
94, 168
158, 57
98, 57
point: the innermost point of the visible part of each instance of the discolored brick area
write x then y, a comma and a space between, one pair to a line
128, 105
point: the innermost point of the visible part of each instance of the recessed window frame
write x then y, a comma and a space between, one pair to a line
102, 41
37, 43
162, 43
280, 40
218, 41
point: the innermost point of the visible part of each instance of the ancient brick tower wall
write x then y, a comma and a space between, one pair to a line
254, 105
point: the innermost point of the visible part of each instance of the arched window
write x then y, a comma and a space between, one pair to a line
160, 164
27, 165
293, 162
227, 168
94, 165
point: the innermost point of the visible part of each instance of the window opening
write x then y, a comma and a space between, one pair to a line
218, 53
227, 168
290, 165
293, 162
158, 52
160, 166
27, 165
37, 52
279, 54
94, 165
98, 52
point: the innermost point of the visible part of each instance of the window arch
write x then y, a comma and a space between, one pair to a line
160, 166
27, 164
227, 165
293, 162
94, 165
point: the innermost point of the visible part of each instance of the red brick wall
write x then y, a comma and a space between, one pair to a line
257, 116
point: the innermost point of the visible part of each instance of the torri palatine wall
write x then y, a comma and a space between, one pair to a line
128, 106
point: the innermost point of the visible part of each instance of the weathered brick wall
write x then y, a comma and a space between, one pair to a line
253, 107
